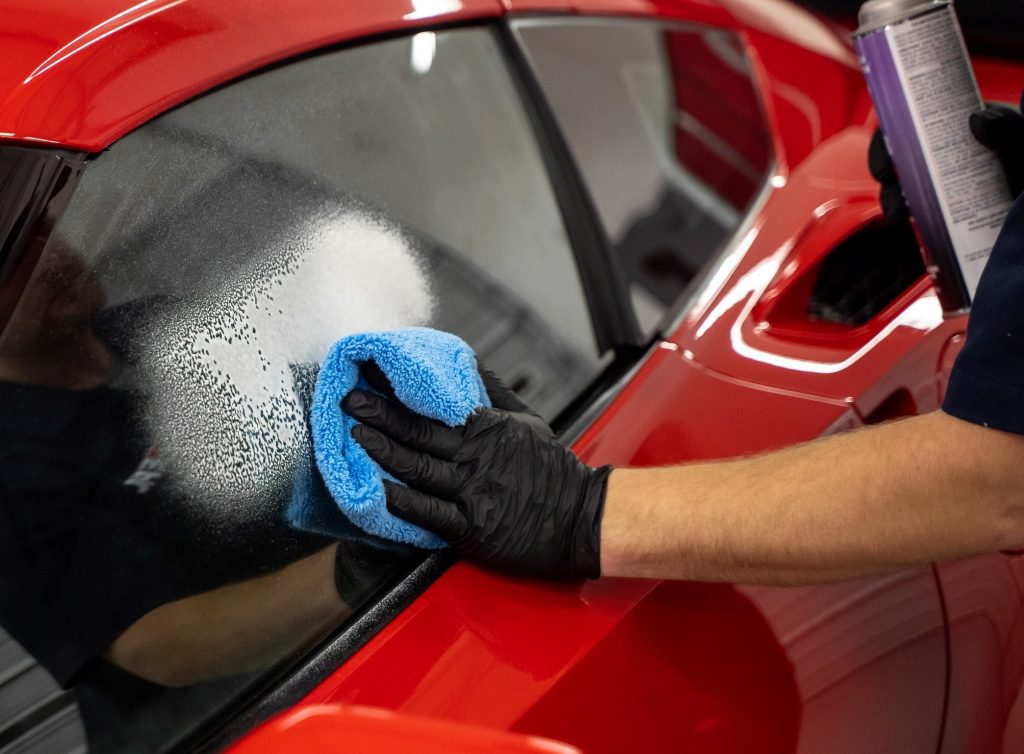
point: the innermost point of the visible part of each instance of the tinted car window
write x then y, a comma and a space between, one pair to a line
155, 373
666, 126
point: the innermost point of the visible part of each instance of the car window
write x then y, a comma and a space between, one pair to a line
666, 126
155, 374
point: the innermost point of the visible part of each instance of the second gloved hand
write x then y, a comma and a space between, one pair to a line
999, 127
500, 489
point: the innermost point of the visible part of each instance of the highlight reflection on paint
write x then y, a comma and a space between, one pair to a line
101, 31
431, 8
924, 314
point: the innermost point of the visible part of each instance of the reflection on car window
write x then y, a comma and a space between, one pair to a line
667, 128
155, 374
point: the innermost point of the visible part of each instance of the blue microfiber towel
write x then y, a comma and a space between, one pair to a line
433, 373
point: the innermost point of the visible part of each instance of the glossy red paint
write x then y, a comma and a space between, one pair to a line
343, 729
631, 665
987, 656
699, 11
749, 330
80, 75
634, 665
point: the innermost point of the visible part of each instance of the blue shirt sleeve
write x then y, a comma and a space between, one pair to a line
987, 383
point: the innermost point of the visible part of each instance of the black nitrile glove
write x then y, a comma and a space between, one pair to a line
999, 127
499, 393
890, 195
501, 490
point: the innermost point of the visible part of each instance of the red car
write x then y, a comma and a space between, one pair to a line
653, 219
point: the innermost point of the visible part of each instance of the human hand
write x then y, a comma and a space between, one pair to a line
499, 393
999, 127
500, 489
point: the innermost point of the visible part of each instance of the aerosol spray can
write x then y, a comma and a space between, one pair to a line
921, 82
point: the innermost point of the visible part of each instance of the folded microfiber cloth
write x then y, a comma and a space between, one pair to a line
433, 373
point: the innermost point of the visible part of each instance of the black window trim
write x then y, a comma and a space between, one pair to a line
604, 283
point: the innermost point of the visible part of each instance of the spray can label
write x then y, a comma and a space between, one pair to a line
923, 88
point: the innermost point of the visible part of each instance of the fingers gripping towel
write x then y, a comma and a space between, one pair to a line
433, 373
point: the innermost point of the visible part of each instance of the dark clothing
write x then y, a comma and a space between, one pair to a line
79, 559
84, 546
987, 383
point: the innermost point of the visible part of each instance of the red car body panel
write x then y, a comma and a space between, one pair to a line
637, 665
80, 75
316, 728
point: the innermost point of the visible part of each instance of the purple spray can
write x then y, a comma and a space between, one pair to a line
923, 88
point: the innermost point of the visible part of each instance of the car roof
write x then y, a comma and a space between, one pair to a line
79, 75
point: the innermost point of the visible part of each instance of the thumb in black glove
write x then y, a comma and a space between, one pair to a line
999, 127
501, 490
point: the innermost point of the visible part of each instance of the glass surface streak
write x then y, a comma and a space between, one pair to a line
155, 374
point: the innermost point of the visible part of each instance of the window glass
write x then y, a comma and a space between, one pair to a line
667, 128
155, 374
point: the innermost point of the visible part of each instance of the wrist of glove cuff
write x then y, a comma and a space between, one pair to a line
584, 556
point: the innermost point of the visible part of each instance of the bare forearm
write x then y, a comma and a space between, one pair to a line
236, 628
875, 500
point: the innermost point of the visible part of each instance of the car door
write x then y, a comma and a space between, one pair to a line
629, 664
427, 179
670, 133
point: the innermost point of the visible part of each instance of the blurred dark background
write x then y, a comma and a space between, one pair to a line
992, 27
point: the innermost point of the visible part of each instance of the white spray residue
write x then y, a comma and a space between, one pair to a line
225, 374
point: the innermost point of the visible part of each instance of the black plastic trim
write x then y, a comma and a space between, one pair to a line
36, 187
604, 283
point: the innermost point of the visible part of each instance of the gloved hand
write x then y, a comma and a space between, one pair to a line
499, 393
501, 490
999, 127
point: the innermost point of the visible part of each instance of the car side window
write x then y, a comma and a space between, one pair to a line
155, 374
666, 126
